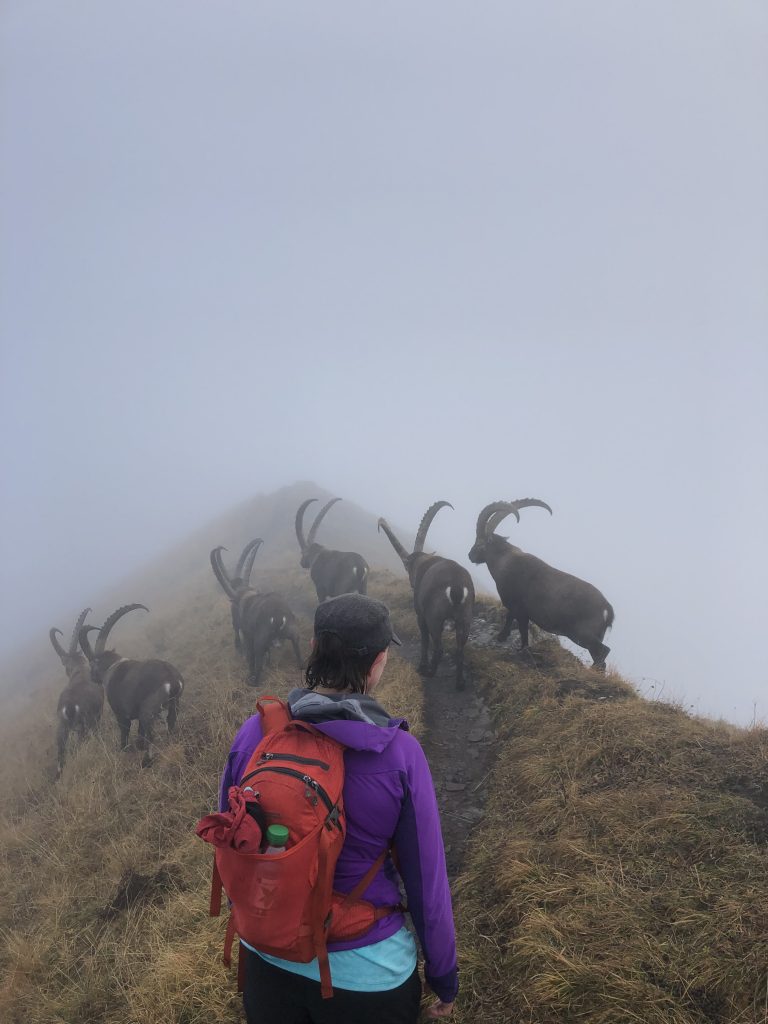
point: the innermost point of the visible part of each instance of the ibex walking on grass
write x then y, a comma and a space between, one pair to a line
260, 619
533, 591
332, 572
81, 701
442, 592
136, 690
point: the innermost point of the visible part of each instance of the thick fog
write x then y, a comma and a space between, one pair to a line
471, 251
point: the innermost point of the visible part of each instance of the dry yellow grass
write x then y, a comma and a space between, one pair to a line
619, 876
103, 885
621, 873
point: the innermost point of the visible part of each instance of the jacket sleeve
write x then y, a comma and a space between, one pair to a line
245, 742
419, 844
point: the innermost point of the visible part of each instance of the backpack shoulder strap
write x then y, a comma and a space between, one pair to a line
275, 714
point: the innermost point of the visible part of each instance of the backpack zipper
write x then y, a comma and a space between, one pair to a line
306, 779
296, 758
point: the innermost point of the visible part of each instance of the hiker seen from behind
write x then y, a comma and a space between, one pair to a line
346, 795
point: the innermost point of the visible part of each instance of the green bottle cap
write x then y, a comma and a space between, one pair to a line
277, 835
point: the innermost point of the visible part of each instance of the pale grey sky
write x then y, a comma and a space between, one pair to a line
410, 250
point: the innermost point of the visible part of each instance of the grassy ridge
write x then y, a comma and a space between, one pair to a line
103, 885
619, 876
621, 873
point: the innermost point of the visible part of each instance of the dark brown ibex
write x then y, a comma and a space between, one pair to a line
442, 592
239, 583
135, 689
332, 572
533, 591
261, 619
82, 700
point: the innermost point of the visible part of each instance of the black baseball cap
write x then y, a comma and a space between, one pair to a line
361, 623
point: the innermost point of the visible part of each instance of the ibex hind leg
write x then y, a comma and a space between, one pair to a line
461, 640
236, 630
293, 636
506, 629
125, 732
255, 667
423, 668
437, 651
173, 714
145, 739
599, 652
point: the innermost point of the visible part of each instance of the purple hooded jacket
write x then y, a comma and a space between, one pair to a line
389, 796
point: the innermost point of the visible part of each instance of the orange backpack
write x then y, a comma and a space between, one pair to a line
284, 904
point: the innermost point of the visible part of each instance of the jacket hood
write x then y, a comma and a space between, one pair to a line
356, 720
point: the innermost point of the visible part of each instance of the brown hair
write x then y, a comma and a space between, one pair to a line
331, 666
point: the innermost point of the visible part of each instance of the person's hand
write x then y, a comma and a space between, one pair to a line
439, 1009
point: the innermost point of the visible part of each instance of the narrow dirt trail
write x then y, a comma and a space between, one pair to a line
458, 740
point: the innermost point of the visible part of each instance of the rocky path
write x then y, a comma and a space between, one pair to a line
459, 743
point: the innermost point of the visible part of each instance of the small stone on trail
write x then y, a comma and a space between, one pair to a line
455, 787
475, 735
473, 814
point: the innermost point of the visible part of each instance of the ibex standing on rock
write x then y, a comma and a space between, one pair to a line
332, 572
260, 619
533, 591
135, 689
81, 701
442, 592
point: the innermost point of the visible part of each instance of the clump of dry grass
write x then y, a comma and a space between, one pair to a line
620, 874
103, 886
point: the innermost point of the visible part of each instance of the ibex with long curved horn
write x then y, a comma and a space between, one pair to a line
81, 701
136, 690
332, 572
442, 592
261, 619
239, 583
533, 591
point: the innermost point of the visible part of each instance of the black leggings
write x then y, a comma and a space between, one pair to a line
274, 996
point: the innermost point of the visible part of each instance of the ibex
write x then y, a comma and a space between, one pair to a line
240, 582
533, 591
442, 592
135, 689
81, 701
332, 572
261, 619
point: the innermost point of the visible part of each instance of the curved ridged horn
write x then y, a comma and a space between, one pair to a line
101, 639
300, 521
512, 508
319, 518
221, 573
384, 525
426, 522
76, 631
249, 547
56, 645
495, 506
85, 643
248, 566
